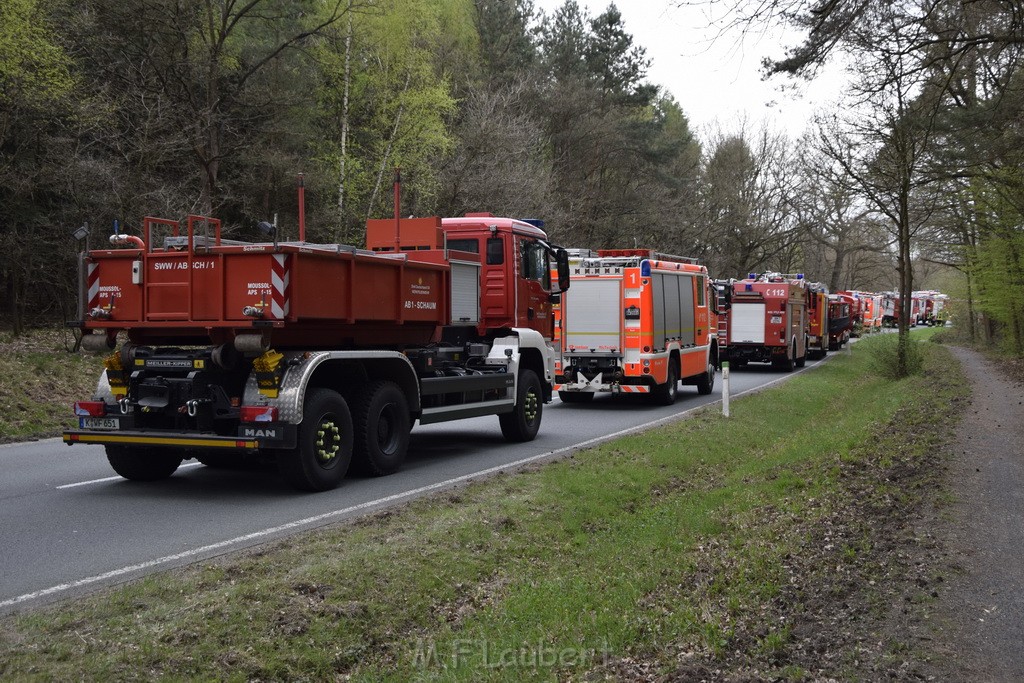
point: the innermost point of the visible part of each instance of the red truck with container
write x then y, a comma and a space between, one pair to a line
319, 355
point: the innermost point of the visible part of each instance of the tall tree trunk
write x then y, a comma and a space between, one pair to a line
387, 151
344, 129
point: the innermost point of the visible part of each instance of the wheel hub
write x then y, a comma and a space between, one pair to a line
328, 442
530, 406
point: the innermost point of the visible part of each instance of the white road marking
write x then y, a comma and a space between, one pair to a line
222, 545
98, 481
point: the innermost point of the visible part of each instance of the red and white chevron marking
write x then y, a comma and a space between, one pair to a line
93, 286
281, 281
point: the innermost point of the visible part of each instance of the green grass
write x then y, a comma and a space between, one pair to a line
644, 554
40, 381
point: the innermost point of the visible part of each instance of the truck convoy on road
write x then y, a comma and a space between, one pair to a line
321, 356
636, 321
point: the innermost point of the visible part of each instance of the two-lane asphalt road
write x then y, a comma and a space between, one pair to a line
70, 525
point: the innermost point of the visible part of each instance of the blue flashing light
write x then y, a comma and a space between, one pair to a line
117, 231
645, 268
751, 276
535, 222
748, 287
799, 276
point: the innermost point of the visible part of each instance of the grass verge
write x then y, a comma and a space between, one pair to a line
754, 547
41, 380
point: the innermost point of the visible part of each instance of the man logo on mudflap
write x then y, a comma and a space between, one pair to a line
251, 432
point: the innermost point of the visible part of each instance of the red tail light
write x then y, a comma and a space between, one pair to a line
90, 409
259, 414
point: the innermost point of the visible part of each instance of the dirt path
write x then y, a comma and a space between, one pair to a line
981, 612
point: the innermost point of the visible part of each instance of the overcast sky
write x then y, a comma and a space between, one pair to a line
717, 80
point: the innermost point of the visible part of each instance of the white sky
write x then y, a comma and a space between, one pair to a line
717, 80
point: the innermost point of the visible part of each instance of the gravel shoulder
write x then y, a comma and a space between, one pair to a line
980, 615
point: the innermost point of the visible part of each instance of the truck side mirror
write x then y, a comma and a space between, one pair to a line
562, 259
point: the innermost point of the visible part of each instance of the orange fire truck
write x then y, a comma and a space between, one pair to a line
636, 321
768, 321
317, 355
817, 320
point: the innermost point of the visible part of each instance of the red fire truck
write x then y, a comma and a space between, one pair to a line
768, 321
318, 355
636, 321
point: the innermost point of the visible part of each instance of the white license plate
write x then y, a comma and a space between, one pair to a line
776, 320
99, 422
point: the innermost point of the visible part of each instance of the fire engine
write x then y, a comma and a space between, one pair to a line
817, 320
840, 320
768, 321
320, 355
636, 321
927, 308
890, 309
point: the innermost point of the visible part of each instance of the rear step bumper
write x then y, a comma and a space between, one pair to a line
183, 440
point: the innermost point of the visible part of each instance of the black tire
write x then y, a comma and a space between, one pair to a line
523, 423
139, 464
802, 360
575, 396
382, 426
786, 365
706, 383
665, 394
324, 451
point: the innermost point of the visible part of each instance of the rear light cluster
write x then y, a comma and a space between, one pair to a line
90, 409
259, 414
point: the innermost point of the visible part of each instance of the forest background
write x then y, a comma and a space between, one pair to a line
113, 110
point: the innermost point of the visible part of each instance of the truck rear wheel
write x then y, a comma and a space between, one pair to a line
786, 364
324, 450
523, 423
706, 383
665, 394
135, 463
575, 396
382, 430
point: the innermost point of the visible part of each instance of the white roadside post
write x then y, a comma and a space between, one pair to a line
725, 387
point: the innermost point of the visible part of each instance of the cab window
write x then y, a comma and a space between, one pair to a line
495, 251
470, 245
702, 288
535, 264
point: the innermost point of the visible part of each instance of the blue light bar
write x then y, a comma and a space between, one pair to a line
535, 222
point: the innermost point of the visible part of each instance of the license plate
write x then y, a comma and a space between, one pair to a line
99, 422
776, 320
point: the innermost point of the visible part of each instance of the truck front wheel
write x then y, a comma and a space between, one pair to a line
382, 429
135, 463
523, 423
324, 450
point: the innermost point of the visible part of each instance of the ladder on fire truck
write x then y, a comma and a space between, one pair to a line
722, 296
